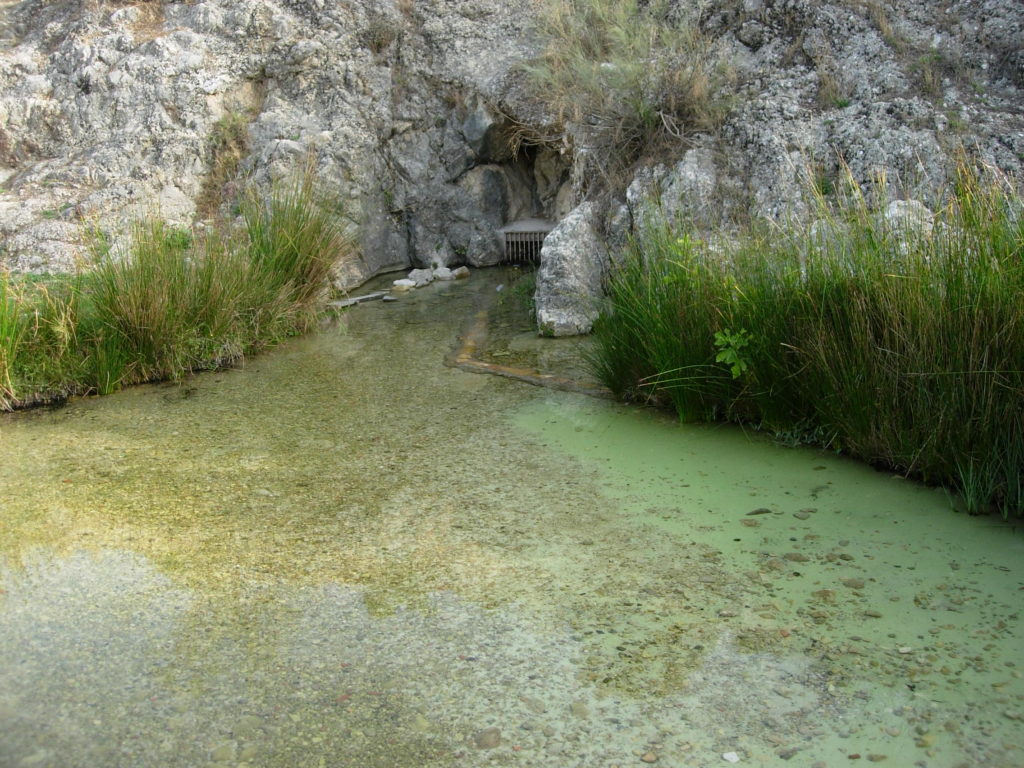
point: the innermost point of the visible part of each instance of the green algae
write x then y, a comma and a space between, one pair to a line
900, 599
344, 551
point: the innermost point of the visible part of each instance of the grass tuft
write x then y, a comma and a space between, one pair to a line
632, 77
169, 303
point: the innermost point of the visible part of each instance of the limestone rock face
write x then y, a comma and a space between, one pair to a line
109, 111
573, 263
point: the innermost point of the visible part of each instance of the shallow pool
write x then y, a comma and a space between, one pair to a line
345, 553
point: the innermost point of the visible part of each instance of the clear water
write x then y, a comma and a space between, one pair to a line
347, 554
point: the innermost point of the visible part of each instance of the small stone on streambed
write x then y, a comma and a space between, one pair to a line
224, 753
801, 515
760, 511
649, 757
796, 557
854, 583
488, 738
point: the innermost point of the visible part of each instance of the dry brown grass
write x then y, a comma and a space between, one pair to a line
634, 80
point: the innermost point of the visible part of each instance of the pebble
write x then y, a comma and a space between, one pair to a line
224, 752
247, 726
786, 754
873, 614
649, 757
730, 757
533, 704
801, 515
796, 557
758, 511
488, 738
749, 522
854, 583
876, 758
248, 753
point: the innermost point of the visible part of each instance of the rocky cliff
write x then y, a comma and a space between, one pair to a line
110, 110
417, 110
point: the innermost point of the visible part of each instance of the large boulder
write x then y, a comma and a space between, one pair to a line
573, 263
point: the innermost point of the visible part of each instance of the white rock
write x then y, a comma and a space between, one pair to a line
731, 757
421, 277
403, 285
443, 273
573, 262
912, 215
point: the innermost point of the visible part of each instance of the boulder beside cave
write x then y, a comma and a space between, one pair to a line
573, 263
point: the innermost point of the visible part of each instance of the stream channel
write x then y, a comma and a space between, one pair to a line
345, 553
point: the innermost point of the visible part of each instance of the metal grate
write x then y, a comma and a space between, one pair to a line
523, 239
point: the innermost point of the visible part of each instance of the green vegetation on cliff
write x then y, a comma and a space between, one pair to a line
633, 77
896, 339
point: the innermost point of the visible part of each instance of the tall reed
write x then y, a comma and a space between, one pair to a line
11, 331
294, 238
169, 302
901, 343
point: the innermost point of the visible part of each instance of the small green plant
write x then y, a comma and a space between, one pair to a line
730, 348
520, 294
928, 70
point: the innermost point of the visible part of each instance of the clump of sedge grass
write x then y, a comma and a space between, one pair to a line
899, 343
170, 303
294, 238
